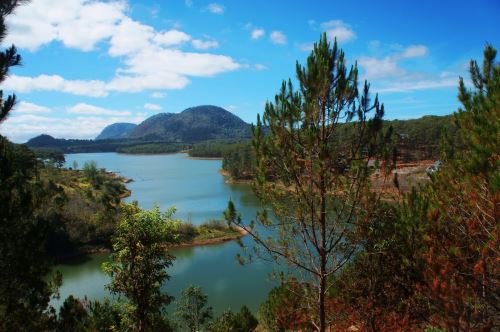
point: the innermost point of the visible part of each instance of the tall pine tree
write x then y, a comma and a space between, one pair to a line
8, 57
313, 170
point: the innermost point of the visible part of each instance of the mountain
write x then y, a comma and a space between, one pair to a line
43, 140
116, 131
192, 125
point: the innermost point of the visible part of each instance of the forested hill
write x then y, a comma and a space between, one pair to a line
194, 124
170, 132
116, 131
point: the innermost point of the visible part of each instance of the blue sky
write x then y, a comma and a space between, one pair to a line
88, 64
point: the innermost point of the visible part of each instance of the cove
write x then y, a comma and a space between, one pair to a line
199, 193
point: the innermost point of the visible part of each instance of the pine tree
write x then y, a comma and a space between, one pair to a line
8, 57
191, 308
313, 170
463, 236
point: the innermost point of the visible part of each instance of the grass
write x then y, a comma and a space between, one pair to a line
210, 230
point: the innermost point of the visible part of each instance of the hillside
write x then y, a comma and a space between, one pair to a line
116, 131
194, 124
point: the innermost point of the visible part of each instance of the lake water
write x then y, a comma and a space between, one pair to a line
199, 193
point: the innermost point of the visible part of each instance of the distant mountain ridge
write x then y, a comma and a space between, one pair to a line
116, 131
194, 124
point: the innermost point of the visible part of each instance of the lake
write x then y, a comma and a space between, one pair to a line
199, 193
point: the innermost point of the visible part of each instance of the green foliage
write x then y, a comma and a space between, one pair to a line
191, 309
186, 232
139, 263
92, 172
243, 321
104, 316
55, 156
72, 316
238, 161
153, 148
213, 149
25, 223
86, 215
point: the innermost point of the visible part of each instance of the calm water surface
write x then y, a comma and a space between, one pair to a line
199, 193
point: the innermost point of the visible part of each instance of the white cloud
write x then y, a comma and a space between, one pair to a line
388, 66
306, 47
86, 109
188, 3
260, 67
91, 88
129, 37
414, 51
158, 95
204, 45
387, 75
76, 23
152, 107
379, 68
171, 62
338, 29
171, 38
277, 37
29, 108
215, 8
435, 83
129, 40
257, 33
231, 108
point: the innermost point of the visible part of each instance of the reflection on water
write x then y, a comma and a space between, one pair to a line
199, 193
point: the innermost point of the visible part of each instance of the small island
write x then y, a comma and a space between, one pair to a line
208, 233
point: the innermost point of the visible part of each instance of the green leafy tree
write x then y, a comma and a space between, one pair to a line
320, 174
191, 308
139, 263
91, 172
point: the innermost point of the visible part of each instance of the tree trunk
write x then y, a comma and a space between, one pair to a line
322, 253
322, 309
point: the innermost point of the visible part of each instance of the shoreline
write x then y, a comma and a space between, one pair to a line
203, 158
101, 249
229, 179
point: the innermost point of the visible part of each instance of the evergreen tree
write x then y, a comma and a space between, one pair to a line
8, 57
463, 236
191, 308
243, 321
320, 188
